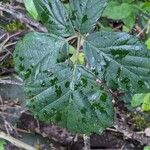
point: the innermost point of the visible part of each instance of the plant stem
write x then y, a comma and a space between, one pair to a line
146, 26
86, 142
70, 38
76, 61
16, 142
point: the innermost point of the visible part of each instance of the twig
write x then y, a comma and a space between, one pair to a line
18, 15
122, 127
16, 142
51, 131
9, 128
10, 44
86, 142
10, 82
71, 38
141, 32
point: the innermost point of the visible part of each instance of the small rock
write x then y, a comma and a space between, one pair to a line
147, 132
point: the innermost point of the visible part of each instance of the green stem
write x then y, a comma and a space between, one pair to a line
76, 61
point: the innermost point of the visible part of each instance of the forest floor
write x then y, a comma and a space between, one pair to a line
128, 132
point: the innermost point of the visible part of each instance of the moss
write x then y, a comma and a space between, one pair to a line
8, 63
140, 123
14, 26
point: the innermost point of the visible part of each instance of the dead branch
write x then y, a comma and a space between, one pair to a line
16, 142
18, 15
122, 127
46, 130
9, 82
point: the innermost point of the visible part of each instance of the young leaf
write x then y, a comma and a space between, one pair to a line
85, 13
2, 144
31, 8
147, 148
137, 100
124, 11
146, 102
120, 59
52, 13
58, 91
118, 11
141, 99
148, 43
39, 50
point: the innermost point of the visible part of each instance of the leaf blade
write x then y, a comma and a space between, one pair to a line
85, 13
120, 59
57, 91
53, 15
29, 4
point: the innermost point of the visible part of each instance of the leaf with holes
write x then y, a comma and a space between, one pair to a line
120, 59
58, 91
53, 15
70, 81
85, 13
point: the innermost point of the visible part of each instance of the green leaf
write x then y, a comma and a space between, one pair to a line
71, 50
29, 4
141, 99
2, 144
58, 91
47, 50
117, 11
85, 13
137, 100
146, 103
146, 7
120, 59
130, 20
148, 43
124, 11
126, 29
81, 58
147, 148
53, 15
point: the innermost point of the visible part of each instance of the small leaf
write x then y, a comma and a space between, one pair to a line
85, 13
29, 4
146, 102
117, 11
120, 59
81, 58
71, 50
59, 92
126, 29
147, 148
53, 15
148, 43
124, 11
137, 100
2, 144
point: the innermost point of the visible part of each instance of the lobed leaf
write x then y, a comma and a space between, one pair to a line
53, 15
120, 59
85, 13
59, 92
